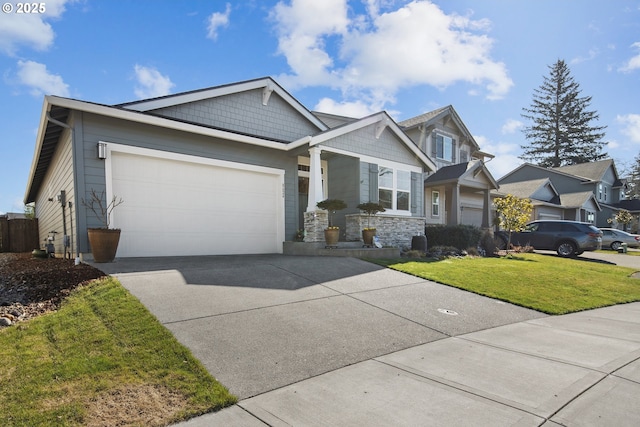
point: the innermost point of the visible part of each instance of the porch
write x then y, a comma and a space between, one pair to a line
395, 233
344, 249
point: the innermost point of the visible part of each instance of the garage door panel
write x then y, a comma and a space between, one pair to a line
175, 207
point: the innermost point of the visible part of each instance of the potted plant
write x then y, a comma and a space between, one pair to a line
370, 208
103, 240
331, 233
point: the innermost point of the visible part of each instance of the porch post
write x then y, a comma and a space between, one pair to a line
315, 179
454, 219
486, 211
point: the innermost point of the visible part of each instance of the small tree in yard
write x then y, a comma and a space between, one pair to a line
514, 213
623, 217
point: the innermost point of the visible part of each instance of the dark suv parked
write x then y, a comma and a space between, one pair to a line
568, 238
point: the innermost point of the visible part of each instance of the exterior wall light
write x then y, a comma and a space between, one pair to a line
102, 150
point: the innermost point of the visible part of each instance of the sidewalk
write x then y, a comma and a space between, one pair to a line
576, 369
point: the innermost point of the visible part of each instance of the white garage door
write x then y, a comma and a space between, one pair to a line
183, 205
471, 216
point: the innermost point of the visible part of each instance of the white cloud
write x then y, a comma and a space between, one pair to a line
506, 158
511, 126
38, 78
303, 27
356, 109
218, 20
633, 63
151, 83
631, 123
381, 53
592, 54
29, 29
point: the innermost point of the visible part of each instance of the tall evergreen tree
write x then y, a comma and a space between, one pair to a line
562, 132
633, 180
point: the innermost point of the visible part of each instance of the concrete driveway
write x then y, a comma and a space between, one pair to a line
607, 257
338, 341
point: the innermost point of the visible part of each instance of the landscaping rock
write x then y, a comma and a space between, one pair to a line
4, 321
30, 287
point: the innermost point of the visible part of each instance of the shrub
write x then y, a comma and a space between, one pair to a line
443, 252
471, 251
458, 236
488, 244
413, 254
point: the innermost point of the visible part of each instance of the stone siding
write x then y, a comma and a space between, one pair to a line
392, 230
314, 225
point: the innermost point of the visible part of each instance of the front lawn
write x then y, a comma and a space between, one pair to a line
102, 359
549, 284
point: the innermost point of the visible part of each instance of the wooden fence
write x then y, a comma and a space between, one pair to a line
18, 234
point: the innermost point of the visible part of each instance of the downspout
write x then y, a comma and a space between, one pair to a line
71, 220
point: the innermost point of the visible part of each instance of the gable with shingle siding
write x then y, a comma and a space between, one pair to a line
244, 112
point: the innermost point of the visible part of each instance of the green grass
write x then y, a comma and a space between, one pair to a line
549, 284
101, 346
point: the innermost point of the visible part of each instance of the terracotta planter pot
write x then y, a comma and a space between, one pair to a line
331, 236
104, 243
367, 236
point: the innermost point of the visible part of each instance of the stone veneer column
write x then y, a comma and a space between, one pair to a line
314, 224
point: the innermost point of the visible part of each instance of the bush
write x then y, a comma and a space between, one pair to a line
444, 252
413, 254
488, 244
458, 236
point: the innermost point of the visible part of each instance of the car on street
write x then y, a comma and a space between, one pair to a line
567, 238
614, 238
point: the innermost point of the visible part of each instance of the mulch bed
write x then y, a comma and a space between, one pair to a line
30, 286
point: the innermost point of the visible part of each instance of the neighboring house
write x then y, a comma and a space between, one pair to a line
633, 206
548, 203
589, 192
234, 169
459, 191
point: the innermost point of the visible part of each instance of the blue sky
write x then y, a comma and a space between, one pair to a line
346, 57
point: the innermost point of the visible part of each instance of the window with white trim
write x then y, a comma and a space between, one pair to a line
394, 188
444, 147
435, 203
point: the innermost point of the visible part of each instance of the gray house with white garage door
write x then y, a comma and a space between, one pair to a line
589, 192
233, 169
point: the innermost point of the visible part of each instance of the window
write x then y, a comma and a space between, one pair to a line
385, 187
444, 148
403, 190
435, 203
599, 191
394, 188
